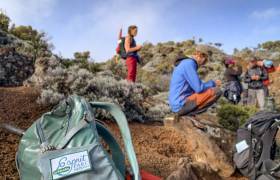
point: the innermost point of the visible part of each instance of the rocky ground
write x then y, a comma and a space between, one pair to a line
17, 107
158, 148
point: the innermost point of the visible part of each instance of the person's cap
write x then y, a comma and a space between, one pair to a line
205, 50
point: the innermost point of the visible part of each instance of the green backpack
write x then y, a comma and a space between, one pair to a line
65, 144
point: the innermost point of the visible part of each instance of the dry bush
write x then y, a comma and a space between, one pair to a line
57, 82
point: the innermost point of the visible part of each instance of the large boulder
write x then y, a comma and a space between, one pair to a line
208, 143
193, 171
14, 67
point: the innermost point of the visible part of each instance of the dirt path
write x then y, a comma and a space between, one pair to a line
158, 148
18, 107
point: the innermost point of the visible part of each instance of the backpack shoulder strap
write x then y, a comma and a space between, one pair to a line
121, 120
117, 154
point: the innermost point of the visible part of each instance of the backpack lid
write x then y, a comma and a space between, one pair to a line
262, 121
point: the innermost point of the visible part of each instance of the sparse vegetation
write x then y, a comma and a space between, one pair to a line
38, 41
83, 76
158, 63
233, 116
82, 60
147, 100
4, 22
57, 82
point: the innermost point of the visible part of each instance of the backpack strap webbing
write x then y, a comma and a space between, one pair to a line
121, 120
117, 154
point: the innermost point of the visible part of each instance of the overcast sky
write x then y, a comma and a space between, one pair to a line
93, 25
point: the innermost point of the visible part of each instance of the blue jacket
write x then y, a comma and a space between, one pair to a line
185, 82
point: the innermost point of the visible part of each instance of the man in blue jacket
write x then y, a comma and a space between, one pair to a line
189, 95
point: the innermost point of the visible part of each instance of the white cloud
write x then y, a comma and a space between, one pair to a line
27, 11
266, 14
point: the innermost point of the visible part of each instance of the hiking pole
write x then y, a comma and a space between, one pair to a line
12, 129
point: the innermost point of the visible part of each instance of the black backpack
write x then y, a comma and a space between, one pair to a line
121, 49
232, 92
256, 147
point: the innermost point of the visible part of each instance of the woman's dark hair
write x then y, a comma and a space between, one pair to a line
130, 28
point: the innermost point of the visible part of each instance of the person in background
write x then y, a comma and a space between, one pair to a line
233, 87
254, 77
269, 67
277, 68
132, 57
188, 94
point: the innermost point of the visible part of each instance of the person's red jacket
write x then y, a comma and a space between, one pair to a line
269, 70
145, 176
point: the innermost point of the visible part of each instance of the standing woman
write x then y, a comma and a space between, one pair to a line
131, 53
233, 87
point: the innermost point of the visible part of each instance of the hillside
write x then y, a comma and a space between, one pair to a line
158, 148
157, 63
33, 80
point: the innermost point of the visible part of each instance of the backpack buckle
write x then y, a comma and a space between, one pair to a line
85, 117
44, 147
249, 127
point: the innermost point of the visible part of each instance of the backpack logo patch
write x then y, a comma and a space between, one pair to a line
241, 146
70, 164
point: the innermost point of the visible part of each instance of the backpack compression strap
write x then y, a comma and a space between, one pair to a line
123, 125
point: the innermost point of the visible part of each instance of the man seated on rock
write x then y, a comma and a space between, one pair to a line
189, 95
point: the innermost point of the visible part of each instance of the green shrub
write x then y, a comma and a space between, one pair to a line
203, 71
165, 67
233, 116
189, 51
277, 108
67, 63
39, 41
90, 66
94, 67
4, 22
118, 68
82, 60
